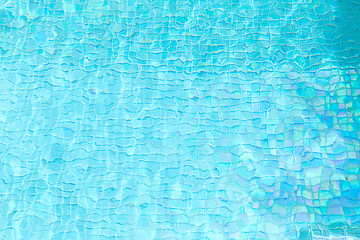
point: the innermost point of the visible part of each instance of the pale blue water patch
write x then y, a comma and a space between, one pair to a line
226, 119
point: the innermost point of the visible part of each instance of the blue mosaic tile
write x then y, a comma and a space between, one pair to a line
167, 119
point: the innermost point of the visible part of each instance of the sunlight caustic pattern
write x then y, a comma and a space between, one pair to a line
169, 119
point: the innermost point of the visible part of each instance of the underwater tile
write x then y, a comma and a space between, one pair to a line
179, 120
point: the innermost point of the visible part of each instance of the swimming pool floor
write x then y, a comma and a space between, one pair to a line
166, 119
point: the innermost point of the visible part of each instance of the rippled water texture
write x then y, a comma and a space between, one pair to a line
192, 119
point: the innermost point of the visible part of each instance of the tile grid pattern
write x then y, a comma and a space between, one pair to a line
179, 119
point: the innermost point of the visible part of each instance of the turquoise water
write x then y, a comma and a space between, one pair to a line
154, 119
